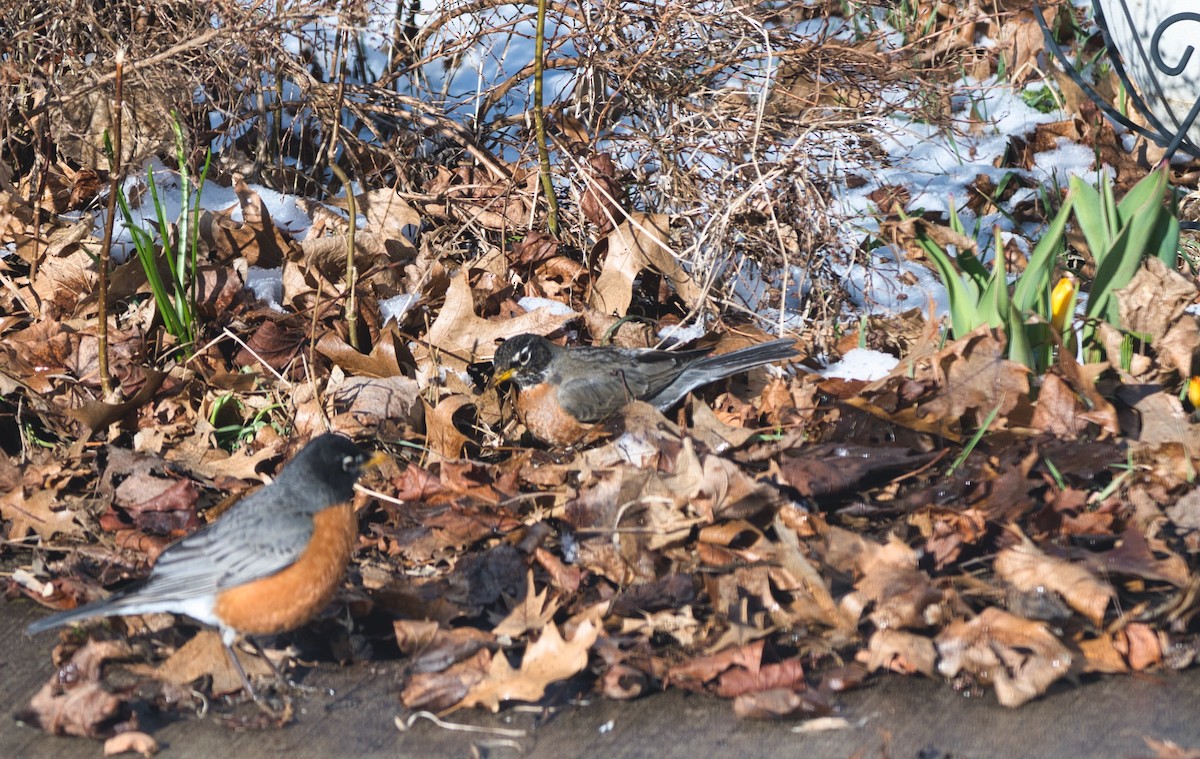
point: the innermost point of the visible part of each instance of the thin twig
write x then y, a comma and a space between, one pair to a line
404, 725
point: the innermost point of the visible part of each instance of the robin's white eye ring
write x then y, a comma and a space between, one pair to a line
348, 463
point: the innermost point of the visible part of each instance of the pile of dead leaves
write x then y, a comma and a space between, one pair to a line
776, 541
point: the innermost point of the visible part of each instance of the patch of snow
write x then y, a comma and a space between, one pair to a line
682, 333
861, 364
555, 307
398, 306
267, 285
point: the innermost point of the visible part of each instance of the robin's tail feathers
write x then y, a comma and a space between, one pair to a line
121, 602
715, 368
77, 614
740, 360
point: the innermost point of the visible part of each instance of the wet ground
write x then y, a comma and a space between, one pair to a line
353, 715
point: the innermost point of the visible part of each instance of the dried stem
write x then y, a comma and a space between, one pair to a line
115, 176
351, 208
539, 120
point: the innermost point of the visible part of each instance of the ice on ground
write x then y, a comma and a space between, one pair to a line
397, 307
267, 285
861, 364
555, 307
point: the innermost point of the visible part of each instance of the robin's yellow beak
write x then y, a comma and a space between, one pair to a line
503, 376
377, 459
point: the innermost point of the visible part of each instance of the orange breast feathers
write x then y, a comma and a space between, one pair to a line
539, 411
293, 596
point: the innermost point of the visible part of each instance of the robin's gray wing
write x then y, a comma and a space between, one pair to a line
600, 381
246, 544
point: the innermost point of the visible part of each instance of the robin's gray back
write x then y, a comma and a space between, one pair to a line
260, 535
595, 382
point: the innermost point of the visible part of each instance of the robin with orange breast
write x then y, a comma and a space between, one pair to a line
563, 392
266, 566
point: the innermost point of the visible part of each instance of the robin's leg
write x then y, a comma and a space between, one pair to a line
258, 699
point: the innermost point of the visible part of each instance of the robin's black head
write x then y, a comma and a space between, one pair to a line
523, 359
331, 463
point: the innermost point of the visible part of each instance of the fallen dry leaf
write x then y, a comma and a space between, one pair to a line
902, 652
1027, 568
547, 660
205, 656
1018, 657
75, 702
131, 742
459, 337
778, 703
532, 614
636, 244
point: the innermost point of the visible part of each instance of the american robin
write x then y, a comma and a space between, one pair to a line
268, 565
563, 392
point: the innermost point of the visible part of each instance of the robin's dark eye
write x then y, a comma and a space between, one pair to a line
349, 463
521, 357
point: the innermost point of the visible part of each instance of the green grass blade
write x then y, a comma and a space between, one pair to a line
1035, 281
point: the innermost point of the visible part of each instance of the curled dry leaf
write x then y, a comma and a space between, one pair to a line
638, 243
391, 217
738, 681
1141, 645
1140, 556
459, 336
978, 379
446, 688
832, 468
547, 660
205, 656
131, 742
1026, 568
363, 403
255, 238
902, 652
1022, 39
433, 648
947, 530
442, 434
795, 574
75, 702
1101, 655
172, 509
275, 342
778, 703
1155, 304
98, 415
898, 594
603, 200
1169, 750
698, 671
535, 248
1020, 658
1058, 411
67, 270
622, 682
